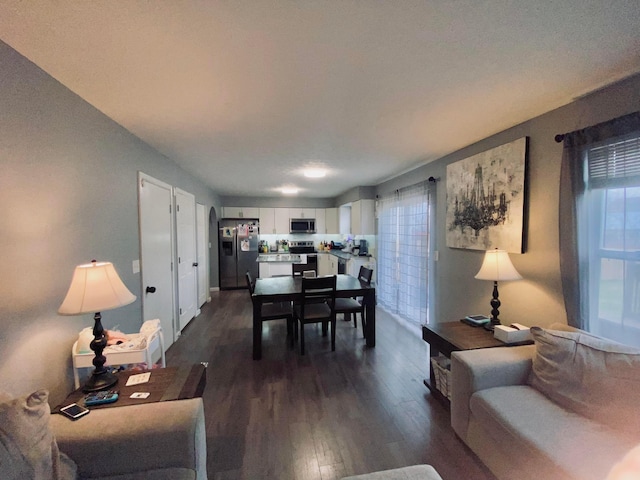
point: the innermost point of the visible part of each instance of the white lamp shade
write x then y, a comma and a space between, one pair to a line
497, 266
95, 287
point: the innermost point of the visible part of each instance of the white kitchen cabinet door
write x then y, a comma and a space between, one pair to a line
267, 221
280, 268
264, 270
331, 220
321, 224
356, 228
302, 213
345, 220
324, 266
281, 216
363, 217
241, 212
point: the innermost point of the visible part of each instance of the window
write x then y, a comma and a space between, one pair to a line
609, 237
403, 253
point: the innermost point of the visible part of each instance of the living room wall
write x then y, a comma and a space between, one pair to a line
69, 192
537, 299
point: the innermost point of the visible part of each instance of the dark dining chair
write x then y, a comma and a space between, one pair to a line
353, 306
302, 269
317, 305
274, 311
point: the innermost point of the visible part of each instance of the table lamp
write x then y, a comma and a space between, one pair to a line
496, 266
94, 287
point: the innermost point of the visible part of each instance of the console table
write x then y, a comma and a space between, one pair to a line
172, 383
447, 337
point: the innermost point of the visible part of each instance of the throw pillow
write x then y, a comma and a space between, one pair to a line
596, 378
27, 446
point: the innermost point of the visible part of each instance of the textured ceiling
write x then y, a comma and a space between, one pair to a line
245, 93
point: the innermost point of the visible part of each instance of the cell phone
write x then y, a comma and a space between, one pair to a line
74, 411
98, 398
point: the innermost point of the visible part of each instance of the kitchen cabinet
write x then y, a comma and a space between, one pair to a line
281, 218
353, 266
302, 213
363, 217
331, 221
240, 212
344, 219
267, 221
321, 224
327, 264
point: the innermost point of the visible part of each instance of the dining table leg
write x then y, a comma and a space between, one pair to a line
369, 299
257, 331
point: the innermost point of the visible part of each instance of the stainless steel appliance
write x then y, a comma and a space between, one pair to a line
363, 249
308, 254
301, 246
238, 251
302, 225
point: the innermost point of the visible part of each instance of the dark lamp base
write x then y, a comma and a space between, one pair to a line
100, 381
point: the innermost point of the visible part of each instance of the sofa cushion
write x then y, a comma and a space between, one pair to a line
538, 438
596, 378
414, 472
27, 447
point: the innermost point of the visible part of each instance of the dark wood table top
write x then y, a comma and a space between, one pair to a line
289, 288
451, 336
172, 383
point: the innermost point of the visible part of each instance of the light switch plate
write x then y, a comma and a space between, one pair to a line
136, 266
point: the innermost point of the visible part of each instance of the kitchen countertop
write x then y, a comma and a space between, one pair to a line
279, 257
345, 255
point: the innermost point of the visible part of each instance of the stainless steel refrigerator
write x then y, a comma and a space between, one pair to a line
238, 251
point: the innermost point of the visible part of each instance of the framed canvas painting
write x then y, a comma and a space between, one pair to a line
485, 199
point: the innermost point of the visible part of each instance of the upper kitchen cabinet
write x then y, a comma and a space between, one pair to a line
331, 220
302, 213
344, 220
363, 217
281, 216
321, 222
267, 221
240, 212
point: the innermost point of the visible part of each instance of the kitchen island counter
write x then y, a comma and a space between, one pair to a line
279, 257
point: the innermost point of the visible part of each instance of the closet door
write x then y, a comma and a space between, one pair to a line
203, 261
186, 256
156, 250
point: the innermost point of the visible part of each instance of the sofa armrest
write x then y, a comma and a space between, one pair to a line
137, 438
474, 370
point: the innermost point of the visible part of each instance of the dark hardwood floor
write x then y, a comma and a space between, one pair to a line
322, 416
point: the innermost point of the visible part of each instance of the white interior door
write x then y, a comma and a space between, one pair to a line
186, 256
156, 250
201, 248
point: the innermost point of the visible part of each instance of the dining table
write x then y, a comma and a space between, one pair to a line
289, 289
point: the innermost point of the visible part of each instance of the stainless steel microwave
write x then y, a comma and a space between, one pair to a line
302, 225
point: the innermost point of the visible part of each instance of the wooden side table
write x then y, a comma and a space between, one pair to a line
447, 337
172, 383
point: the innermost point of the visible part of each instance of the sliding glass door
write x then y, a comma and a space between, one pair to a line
404, 220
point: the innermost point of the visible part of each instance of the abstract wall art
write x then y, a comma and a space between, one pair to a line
485, 199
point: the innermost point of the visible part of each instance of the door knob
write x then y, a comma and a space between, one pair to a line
195, 264
151, 290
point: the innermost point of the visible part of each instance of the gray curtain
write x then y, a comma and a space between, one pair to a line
574, 266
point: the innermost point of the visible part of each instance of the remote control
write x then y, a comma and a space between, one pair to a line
99, 398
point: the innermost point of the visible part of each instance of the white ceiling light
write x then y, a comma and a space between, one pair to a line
289, 191
315, 172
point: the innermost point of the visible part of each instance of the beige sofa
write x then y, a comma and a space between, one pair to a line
564, 408
413, 472
159, 441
